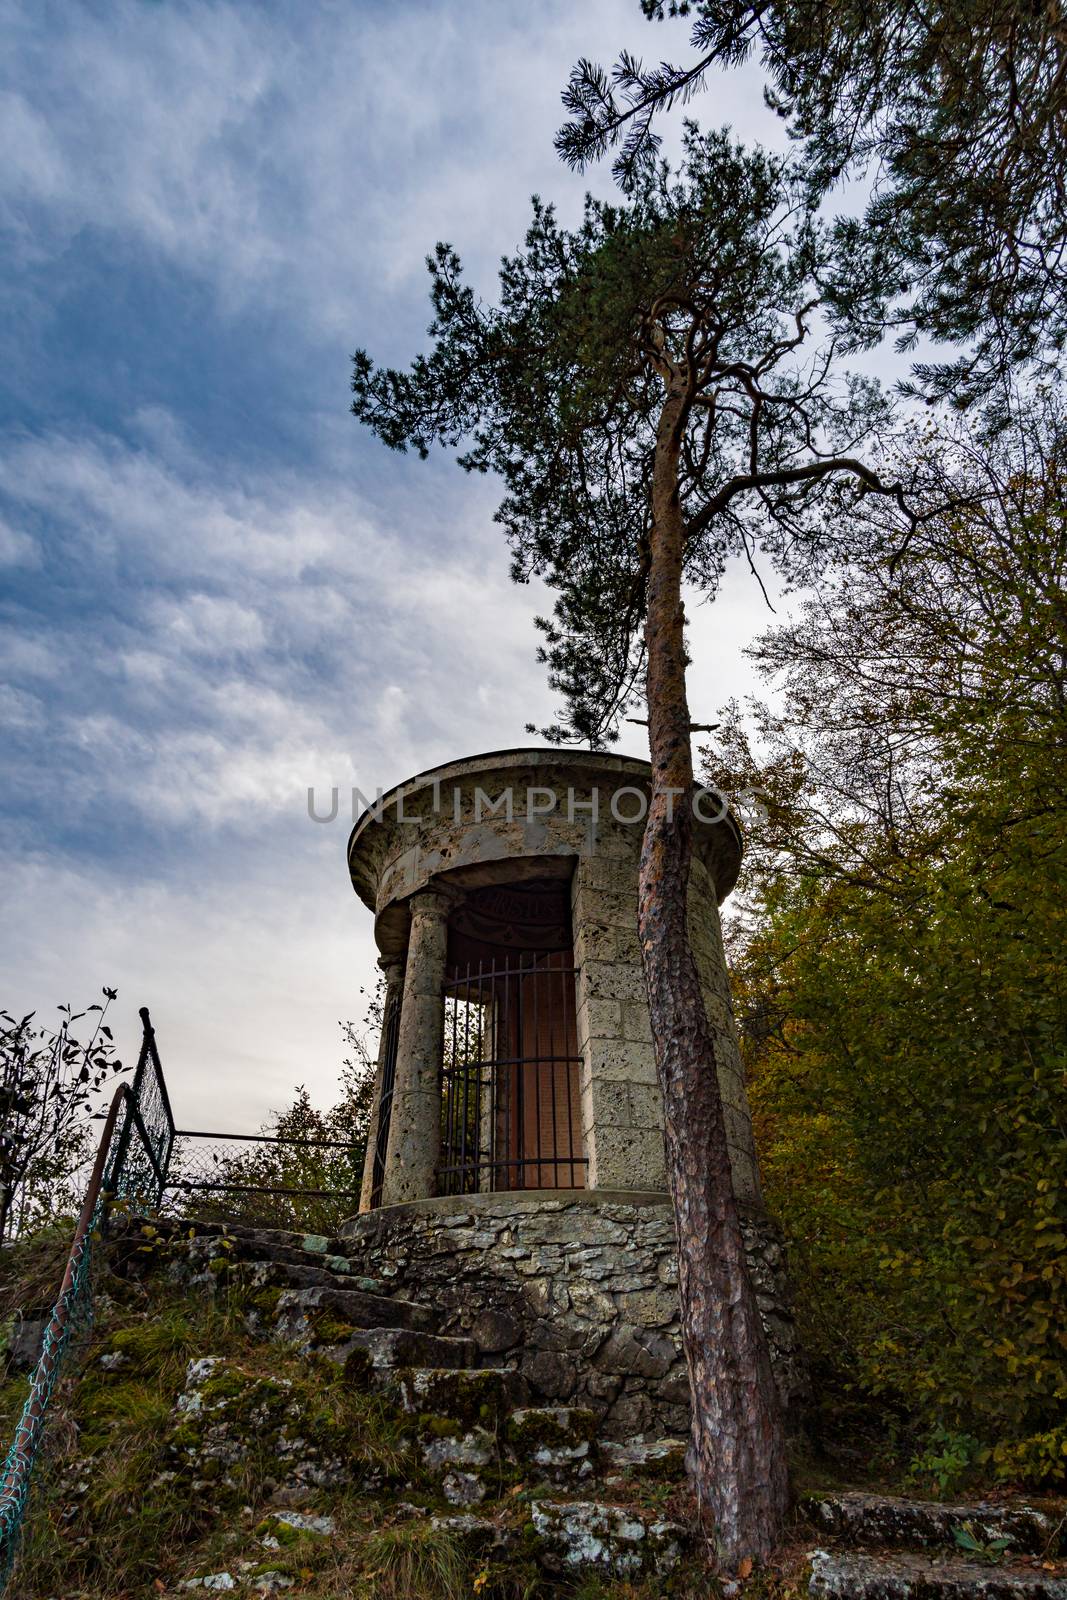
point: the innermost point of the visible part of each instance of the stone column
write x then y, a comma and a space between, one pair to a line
622, 1111
394, 977
415, 1122
622, 1108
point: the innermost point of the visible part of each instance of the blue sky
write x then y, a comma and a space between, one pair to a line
215, 589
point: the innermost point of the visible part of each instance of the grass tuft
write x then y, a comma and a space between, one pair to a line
414, 1561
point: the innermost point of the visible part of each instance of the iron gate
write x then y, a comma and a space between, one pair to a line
511, 1108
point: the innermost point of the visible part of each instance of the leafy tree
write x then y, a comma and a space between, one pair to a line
958, 110
656, 394
912, 663
49, 1080
900, 977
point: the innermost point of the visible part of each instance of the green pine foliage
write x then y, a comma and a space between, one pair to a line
720, 271
956, 115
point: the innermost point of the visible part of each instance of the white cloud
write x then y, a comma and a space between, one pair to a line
17, 548
115, 498
246, 986
27, 652
35, 165
204, 624
202, 777
328, 649
306, 159
19, 709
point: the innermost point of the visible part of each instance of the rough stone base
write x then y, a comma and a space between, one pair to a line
578, 1292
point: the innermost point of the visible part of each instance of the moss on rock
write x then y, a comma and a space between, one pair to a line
551, 1427
324, 1328
467, 1398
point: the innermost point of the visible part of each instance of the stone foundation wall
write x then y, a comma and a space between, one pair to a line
578, 1293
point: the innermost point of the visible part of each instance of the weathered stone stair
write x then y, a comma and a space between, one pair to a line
476, 1432
890, 1548
859, 1518
485, 1395
477, 1429
907, 1575
324, 1303
354, 1306
243, 1242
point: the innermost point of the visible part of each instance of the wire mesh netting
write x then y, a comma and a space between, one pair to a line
130, 1168
71, 1317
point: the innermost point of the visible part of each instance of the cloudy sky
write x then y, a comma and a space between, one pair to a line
217, 590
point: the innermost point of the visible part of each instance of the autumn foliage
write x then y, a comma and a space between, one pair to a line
899, 977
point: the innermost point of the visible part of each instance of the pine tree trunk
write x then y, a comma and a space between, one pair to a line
736, 1455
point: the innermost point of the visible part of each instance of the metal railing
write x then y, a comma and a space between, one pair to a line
308, 1185
131, 1165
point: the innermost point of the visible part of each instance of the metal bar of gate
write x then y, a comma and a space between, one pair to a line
519, 1006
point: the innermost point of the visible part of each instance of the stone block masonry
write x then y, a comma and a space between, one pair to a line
577, 1293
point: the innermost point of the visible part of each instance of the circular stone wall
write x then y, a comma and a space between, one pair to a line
577, 1292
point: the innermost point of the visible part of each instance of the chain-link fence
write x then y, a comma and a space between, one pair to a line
130, 1167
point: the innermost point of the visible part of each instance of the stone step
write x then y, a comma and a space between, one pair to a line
404, 1347
579, 1536
875, 1519
272, 1244
344, 1308
366, 1332
909, 1575
290, 1255
471, 1396
591, 1535
555, 1441
214, 1242
662, 1459
463, 1462
306, 1275
476, 1534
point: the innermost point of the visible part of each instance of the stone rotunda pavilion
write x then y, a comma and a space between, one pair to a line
515, 1165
